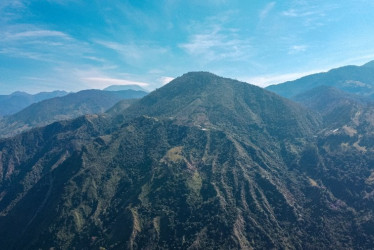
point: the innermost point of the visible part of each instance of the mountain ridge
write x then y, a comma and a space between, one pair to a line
61, 108
351, 79
10, 104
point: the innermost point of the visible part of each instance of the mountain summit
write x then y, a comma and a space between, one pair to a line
204, 162
207, 100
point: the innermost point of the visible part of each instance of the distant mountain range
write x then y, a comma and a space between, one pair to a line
10, 104
63, 108
15, 102
204, 162
125, 87
351, 79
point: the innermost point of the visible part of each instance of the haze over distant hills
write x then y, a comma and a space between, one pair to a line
351, 79
204, 162
125, 87
64, 108
10, 104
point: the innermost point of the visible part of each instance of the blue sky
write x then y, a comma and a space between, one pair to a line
74, 44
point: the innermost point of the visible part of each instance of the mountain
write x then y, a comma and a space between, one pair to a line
202, 99
62, 108
352, 79
10, 104
125, 87
204, 162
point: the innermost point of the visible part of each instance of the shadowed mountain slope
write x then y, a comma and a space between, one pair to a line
334, 105
345, 150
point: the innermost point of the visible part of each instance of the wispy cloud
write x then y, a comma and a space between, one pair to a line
95, 59
33, 34
310, 14
166, 79
21, 53
266, 10
300, 13
11, 4
32, 42
11, 9
266, 80
98, 78
216, 46
212, 41
106, 81
297, 49
134, 52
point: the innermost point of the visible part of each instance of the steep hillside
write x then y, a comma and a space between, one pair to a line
335, 106
120, 106
345, 151
62, 108
202, 163
351, 79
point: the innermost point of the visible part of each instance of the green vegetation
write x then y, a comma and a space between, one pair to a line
202, 163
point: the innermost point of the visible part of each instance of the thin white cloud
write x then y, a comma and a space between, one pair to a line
217, 43
132, 14
34, 34
32, 42
166, 79
134, 52
36, 78
106, 81
95, 59
13, 4
131, 52
300, 13
20, 53
11, 10
311, 14
266, 80
297, 49
266, 10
